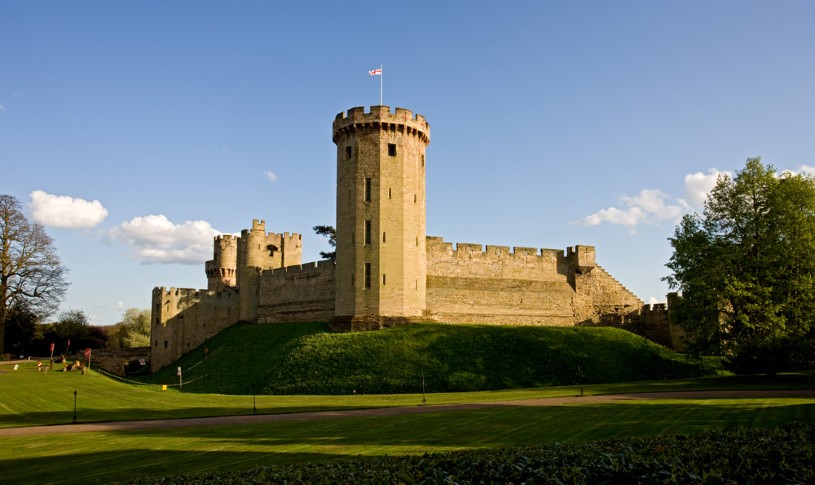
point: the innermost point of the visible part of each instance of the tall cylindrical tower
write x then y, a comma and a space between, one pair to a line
222, 268
381, 261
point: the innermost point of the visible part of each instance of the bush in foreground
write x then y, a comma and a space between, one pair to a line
776, 455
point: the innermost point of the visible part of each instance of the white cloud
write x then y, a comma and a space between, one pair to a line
2, 108
652, 300
65, 211
698, 185
652, 206
807, 169
648, 207
157, 240
270, 175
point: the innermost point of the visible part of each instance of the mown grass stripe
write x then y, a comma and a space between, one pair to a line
232, 447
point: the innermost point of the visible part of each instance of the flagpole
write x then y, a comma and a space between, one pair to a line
381, 75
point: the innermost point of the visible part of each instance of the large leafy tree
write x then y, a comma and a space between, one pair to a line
746, 267
31, 275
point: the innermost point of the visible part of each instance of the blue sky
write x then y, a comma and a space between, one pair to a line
134, 131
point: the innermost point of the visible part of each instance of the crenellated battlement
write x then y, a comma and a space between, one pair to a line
470, 250
312, 267
179, 294
225, 238
655, 308
381, 118
286, 236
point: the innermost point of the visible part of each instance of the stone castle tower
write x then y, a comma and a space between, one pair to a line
387, 271
221, 269
381, 242
258, 251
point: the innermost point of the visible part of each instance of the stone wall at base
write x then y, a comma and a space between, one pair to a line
183, 318
114, 360
302, 293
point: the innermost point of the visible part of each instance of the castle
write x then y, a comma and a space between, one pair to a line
387, 271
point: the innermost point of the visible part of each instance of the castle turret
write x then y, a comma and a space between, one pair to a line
381, 261
258, 251
221, 270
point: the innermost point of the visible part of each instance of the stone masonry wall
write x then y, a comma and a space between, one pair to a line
114, 360
297, 293
184, 318
611, 301
523, 286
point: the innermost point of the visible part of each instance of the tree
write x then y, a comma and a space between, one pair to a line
73, 326
331, 234
21, 325
31, 275
132, 331
746, 267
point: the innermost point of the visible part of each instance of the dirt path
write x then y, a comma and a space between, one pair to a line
389, 411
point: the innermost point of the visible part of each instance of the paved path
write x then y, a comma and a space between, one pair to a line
389, 411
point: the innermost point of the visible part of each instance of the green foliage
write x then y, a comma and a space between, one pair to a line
73, 326
331, 234
746, 267
776, 455
132, 331
307, 359
21, 324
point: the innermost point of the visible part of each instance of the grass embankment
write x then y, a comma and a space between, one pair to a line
307, 359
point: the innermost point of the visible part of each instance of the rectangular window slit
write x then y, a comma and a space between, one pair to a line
368, 189
391, 149
367, 275
367, 232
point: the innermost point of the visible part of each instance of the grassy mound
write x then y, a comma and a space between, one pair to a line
307, 359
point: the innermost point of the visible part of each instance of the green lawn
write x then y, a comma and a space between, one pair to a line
131, 454
31, 397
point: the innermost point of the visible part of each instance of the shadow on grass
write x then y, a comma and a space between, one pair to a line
85, 416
